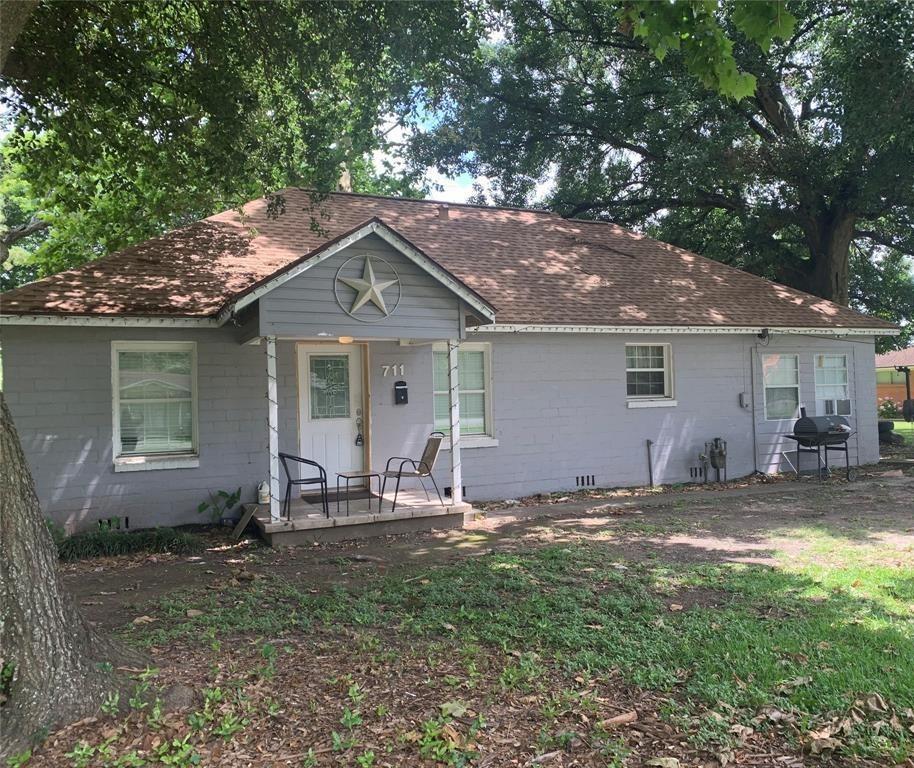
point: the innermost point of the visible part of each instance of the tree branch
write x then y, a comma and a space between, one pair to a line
14, 234
886, 240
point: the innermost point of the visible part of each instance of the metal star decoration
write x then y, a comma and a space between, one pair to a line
368, 288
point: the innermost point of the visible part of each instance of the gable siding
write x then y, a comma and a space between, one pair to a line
306, 307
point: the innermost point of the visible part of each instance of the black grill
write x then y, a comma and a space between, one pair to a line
818, 430
821, 435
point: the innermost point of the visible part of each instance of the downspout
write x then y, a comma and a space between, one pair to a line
650, 463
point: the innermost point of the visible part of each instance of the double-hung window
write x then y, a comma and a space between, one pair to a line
648, 371
155, 392
781, 374
475, 383
832, 398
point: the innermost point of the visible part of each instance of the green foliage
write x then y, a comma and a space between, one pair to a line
178, 752
882, 283
781, 182
127, 119
105, 542
112, 703
220, 504
694, 28
20, 759
81, 755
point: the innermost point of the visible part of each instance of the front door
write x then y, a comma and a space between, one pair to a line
330, 407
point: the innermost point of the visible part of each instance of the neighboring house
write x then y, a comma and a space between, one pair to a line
181, 365
890, 382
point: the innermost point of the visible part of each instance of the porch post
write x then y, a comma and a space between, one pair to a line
454, 391
273, 426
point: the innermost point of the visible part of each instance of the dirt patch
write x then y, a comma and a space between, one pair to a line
435, 704
751, 526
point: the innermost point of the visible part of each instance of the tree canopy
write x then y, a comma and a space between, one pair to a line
129, 118
781, 181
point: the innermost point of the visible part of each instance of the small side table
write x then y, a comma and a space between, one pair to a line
357, 474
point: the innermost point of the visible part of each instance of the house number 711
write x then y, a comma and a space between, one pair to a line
394, 370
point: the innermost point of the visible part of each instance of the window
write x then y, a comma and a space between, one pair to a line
154, 385
782, 386
329, 386
648, 372
831, 386
475, 390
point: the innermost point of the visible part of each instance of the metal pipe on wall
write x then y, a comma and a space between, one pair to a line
650, 463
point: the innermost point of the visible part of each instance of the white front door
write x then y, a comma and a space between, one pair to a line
330, 407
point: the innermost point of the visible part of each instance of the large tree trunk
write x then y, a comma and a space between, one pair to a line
56, 661
829, 243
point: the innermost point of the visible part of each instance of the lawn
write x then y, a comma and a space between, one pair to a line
906, 429
588, 645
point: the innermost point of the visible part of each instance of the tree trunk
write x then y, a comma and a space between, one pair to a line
829, 243
53, 663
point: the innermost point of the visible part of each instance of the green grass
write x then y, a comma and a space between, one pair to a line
104, 542
906, 430
809, 638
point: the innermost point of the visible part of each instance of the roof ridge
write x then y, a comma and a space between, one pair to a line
430, 200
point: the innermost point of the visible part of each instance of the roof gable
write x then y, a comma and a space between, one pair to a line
373, 226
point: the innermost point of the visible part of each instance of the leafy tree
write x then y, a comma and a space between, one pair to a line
132, 118
819, 157
882, 283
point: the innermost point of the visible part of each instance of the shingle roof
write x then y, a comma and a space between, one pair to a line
534, 266
896, 357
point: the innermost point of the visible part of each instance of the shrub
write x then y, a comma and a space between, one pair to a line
108, 541
889, 409
220, 504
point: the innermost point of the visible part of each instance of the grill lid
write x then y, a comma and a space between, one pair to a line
815, 426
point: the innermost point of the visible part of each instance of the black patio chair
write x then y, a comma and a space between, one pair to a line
418, 469
319, 479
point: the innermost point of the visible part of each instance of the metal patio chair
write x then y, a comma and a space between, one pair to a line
319, 479
418, 469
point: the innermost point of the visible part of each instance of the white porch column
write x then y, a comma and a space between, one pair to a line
454, 390
273, 426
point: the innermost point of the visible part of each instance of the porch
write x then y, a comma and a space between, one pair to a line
361, 350
307, 522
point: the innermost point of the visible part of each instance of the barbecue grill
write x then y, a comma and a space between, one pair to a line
818, 435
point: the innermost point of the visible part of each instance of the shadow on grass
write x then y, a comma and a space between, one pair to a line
768, 638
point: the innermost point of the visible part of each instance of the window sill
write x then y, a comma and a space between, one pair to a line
143, 463
472, 441
664, 403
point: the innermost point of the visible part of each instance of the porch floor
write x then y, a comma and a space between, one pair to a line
413, 512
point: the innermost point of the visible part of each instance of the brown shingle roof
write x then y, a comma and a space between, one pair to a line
534, 266
896, 357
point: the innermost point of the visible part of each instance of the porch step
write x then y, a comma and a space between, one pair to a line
311, 528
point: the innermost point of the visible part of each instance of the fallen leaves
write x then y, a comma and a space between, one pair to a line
663, 762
